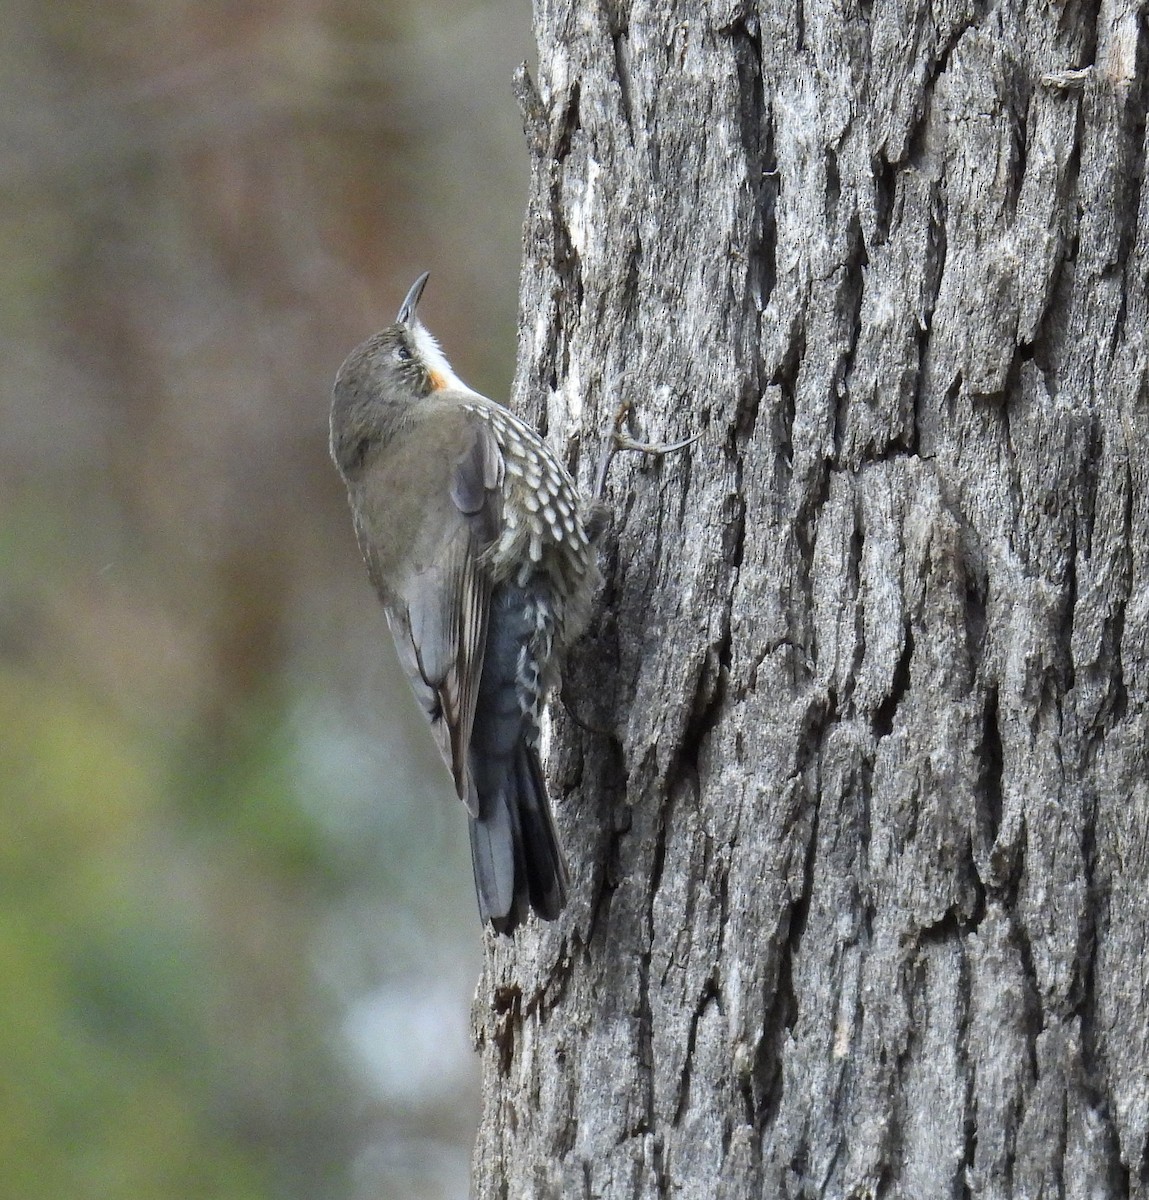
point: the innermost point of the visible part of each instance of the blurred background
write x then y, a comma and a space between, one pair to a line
238, 937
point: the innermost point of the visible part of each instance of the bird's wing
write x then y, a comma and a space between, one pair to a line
439, 618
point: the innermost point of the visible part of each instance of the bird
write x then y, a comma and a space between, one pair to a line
475, 539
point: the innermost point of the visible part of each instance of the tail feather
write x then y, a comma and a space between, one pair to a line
515, 849
545, 868
493, 844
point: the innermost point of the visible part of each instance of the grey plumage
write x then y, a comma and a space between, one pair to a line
473, 537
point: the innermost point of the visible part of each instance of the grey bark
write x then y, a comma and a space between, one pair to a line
855, 786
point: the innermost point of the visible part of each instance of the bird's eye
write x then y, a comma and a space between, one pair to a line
403, 353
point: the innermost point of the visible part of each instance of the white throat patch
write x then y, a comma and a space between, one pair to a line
434, 358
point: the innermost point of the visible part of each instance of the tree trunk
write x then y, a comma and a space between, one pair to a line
852, 770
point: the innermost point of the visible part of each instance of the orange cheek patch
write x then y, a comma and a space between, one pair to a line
438, 383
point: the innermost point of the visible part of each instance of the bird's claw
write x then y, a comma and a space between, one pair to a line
623, 442
615, 439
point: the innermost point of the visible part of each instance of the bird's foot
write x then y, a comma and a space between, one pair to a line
615, 439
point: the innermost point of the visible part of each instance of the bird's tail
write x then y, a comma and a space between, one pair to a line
515, 848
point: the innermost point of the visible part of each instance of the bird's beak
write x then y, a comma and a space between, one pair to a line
407, 312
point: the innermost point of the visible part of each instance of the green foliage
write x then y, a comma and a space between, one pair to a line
240, 786
104, 1092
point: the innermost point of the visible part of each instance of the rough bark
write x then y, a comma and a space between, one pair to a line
856, 799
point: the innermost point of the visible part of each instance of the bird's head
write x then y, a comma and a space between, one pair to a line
382, 379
